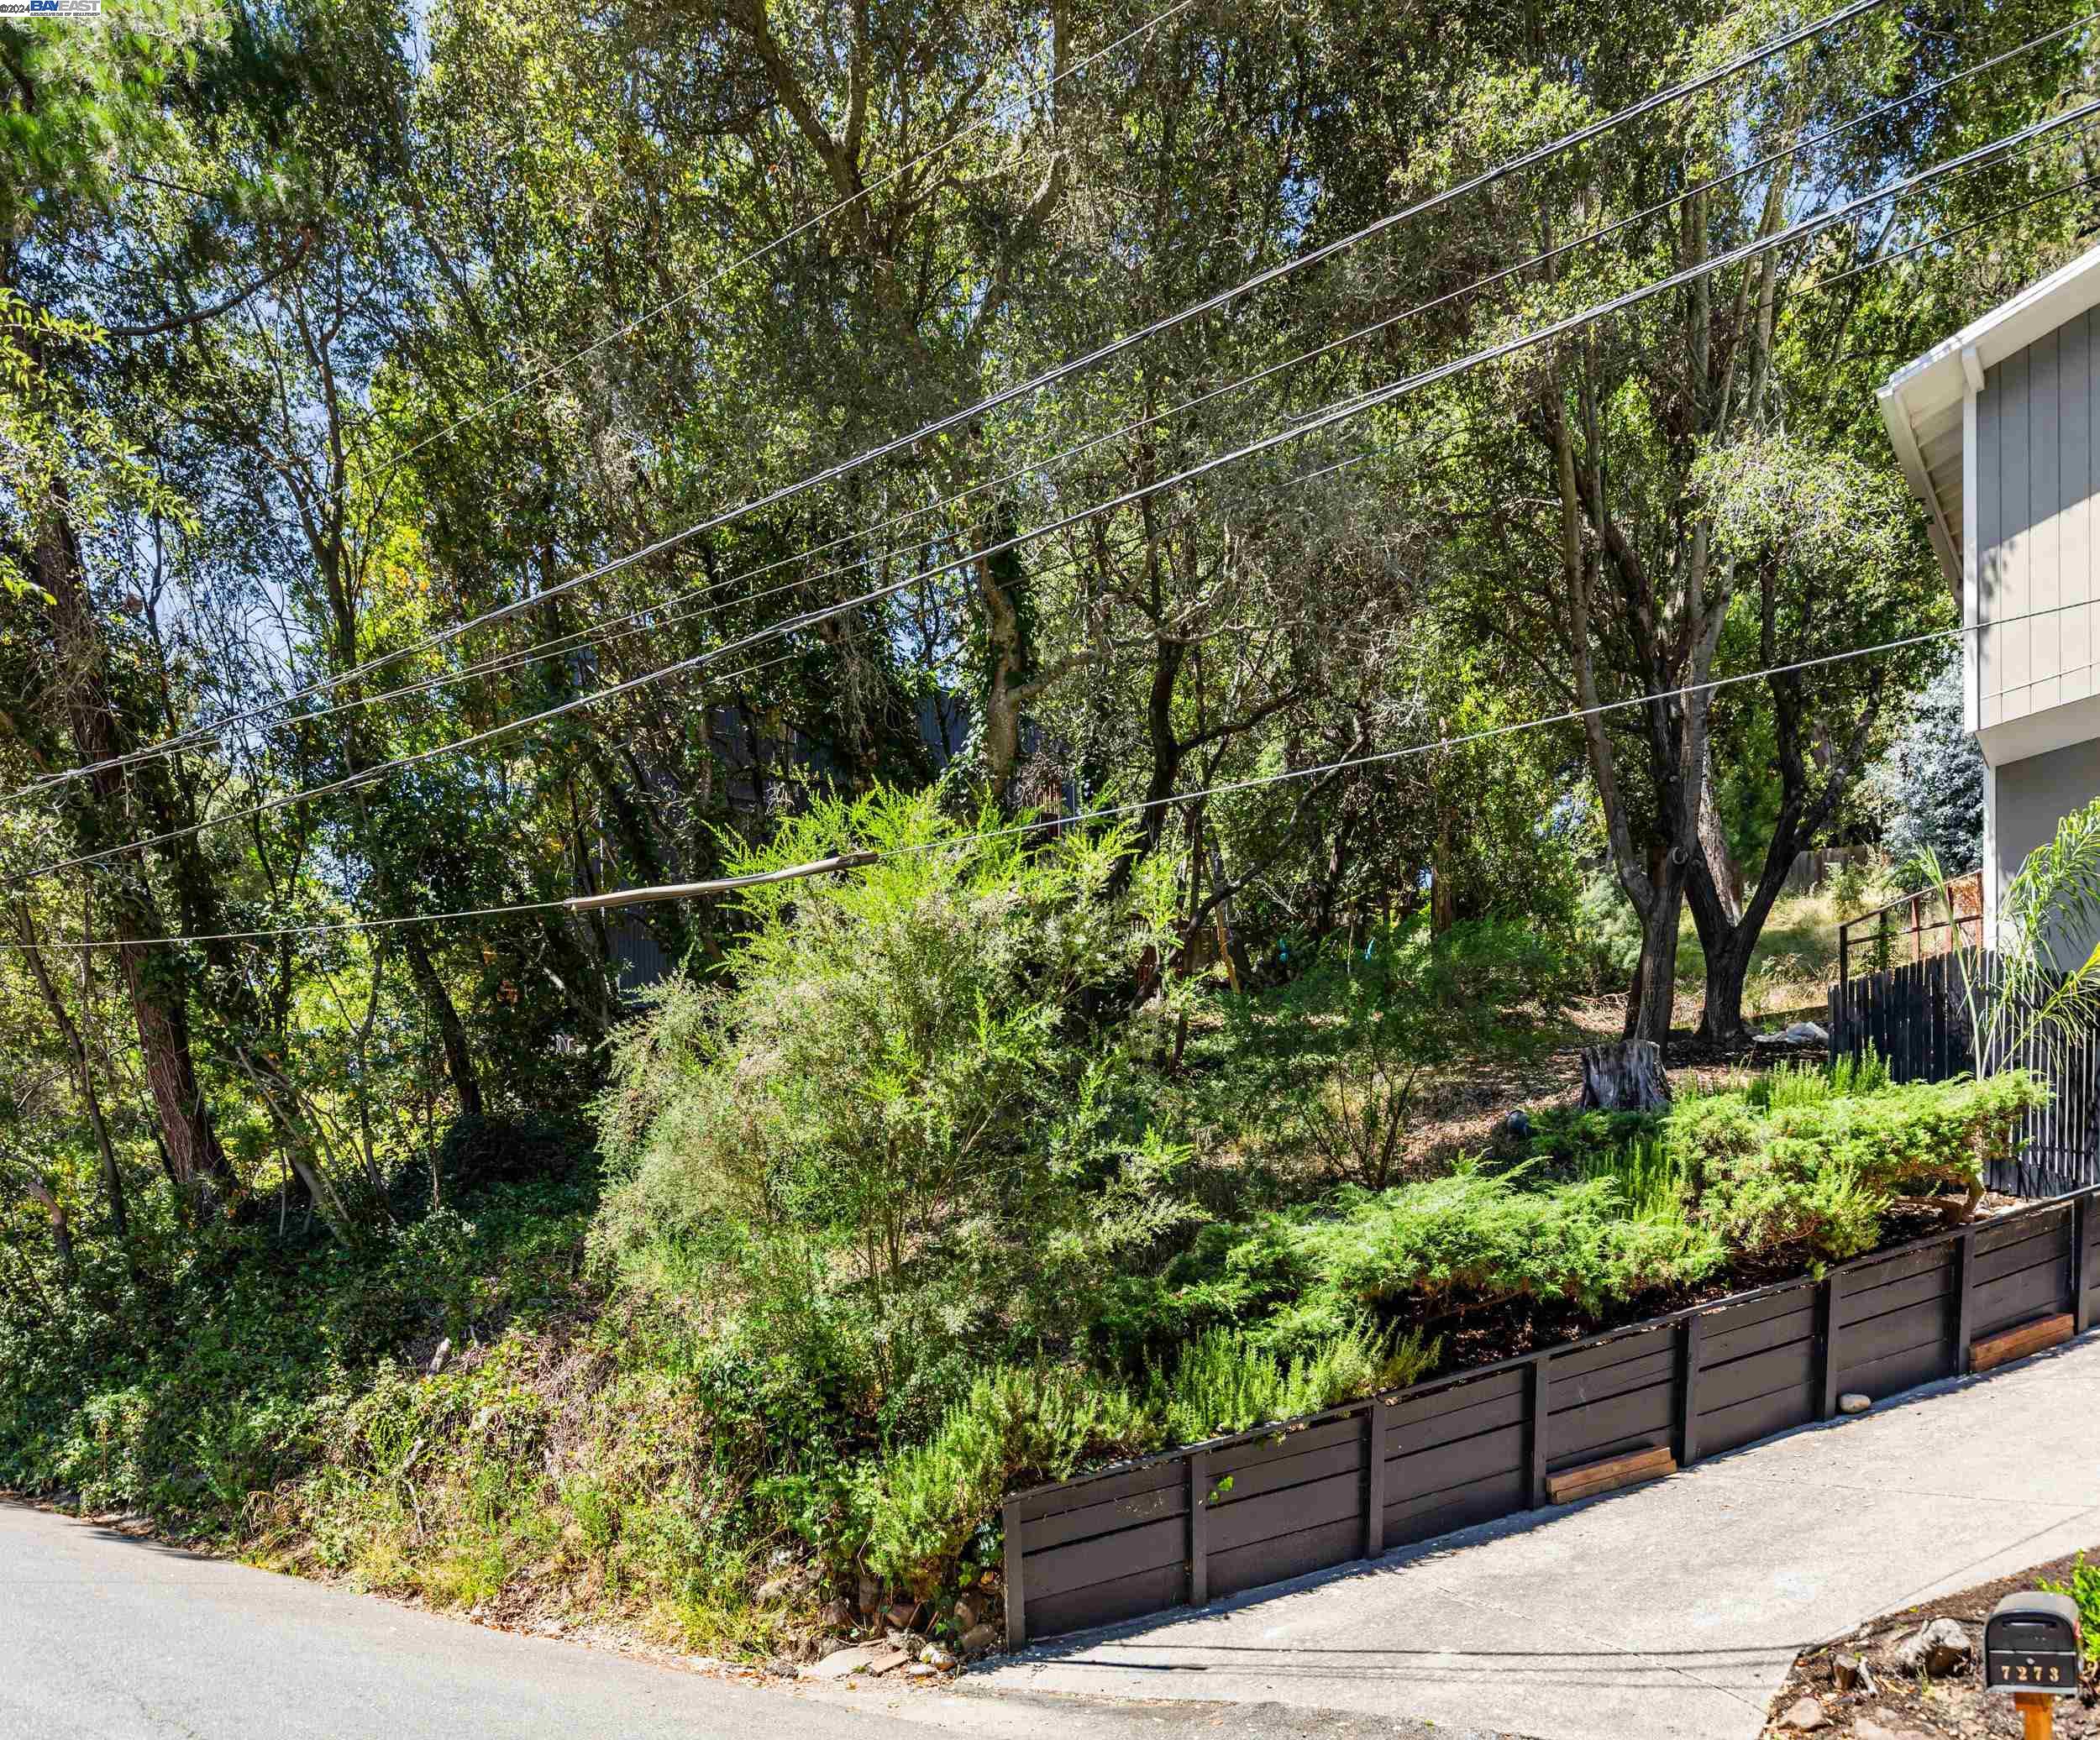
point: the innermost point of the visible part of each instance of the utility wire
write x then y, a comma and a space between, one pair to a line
1341, 411
789, 235
634, 897
653, 615
1063, 371
208, 732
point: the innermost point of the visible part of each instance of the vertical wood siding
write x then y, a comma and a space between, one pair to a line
2035, 537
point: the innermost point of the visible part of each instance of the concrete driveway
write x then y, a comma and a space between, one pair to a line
1673, 1610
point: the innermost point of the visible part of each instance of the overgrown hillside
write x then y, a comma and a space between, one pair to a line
911, 1205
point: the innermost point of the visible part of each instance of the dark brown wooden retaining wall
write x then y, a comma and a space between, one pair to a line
1214, 1519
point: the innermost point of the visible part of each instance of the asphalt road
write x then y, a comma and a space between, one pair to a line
106, 1637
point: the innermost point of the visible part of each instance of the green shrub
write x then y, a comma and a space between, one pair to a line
1227, 1380
886, 1143
1649, 1175
2083, 1588
1820, 1172
1018, 1426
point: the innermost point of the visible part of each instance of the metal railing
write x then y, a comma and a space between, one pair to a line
1875, 940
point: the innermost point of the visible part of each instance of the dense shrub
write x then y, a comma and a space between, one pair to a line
1821, 1170
1418, 1252
1015, 1425
1020, 1426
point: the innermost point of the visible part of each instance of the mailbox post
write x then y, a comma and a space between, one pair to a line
2031, 1648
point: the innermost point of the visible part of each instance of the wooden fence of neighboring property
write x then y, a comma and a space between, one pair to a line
1210, 1520
1916, 1017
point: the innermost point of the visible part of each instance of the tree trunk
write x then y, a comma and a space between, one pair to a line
1652, 1000
1624, 1078
83, 1065
1000, 582
1720, 862
153, 976
452, 1031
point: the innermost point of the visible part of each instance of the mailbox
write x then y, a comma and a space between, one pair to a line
2030, 1644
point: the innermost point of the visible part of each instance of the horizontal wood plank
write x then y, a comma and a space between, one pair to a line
1290, 1555
1609, 1475
1127, 1598
1729, 1428
1278, 1513
1085, 1521
1992, 1351
2033, 1292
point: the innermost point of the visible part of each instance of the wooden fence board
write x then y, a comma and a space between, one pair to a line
1126, 1598
1720, 1346
1408, 1436
1291, 1555
1904, 1370
1482, 1501
1924, 1282
1289, 1511
1645, 1421
2032, 1292
1730, 1428
1058, 1571
1280, 1474
1085, 1521
1454, 1465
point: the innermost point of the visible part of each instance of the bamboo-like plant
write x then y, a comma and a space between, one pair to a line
2021, 1001
2019, 998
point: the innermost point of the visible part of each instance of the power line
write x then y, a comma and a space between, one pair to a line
632, 896
788, 235
652, 615
206, 733
1337, 412
1063, 371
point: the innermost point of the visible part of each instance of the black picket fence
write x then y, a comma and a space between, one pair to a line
1210, 1520
1916, 1017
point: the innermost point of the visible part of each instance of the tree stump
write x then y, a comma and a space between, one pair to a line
1624, 1078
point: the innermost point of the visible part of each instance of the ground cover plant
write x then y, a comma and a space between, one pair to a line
905, 1208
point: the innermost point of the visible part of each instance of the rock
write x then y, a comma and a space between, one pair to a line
840, 1663
1939, 1649
903, 1616
909, 1642
920, 1670
966, 1614
443, 1353
1802, 1036
870, 1595
838, 1614
1804, 1717
978, 1640
1849, 1673
1853, 1403
886, 1659
935, 1656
